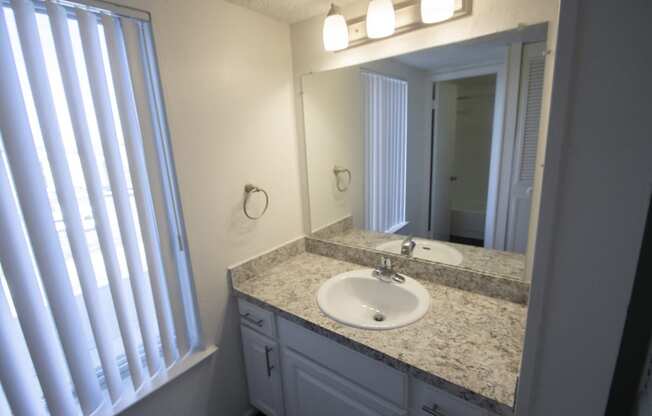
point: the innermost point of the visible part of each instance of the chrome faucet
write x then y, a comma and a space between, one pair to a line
385, 272
407, 246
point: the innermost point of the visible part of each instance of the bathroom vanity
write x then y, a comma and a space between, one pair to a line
460, 359
425, 161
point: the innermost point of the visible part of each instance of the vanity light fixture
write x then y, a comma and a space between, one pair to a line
336, 31
381, 19
433, 11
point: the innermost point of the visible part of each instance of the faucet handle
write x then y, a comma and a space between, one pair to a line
408, 245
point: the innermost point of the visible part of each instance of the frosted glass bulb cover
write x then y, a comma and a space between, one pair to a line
335, 33
433, 11
381, 19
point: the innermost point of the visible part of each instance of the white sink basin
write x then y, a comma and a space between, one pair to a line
426, 250
361, 300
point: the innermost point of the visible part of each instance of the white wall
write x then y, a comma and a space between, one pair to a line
332, 110
596, 192
227, 82
333, 125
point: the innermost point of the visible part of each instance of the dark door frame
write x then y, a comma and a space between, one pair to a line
637, 334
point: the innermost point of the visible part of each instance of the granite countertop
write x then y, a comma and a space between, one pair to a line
467, 344
495, 262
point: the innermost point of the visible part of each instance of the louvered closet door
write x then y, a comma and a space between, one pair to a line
527, 137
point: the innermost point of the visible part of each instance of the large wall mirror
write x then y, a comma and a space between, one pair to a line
430, 154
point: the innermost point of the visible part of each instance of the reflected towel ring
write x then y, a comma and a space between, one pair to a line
249, 190
337, 170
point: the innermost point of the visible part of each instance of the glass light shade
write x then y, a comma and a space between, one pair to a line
433, 11
381, 19
336, 33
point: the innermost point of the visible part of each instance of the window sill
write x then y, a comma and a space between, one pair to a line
397, 227
131, 397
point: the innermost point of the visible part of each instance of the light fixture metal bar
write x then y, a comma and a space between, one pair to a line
408, 18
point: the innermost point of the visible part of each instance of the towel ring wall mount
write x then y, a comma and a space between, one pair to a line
249, 190
337, 170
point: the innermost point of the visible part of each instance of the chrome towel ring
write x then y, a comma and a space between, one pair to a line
337, 170
249, 190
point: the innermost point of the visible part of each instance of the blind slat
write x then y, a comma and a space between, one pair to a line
69, 74
15, 366
144, 205
45, 108
385, 126
82, 120
35, 319
32, 195
172, 199
105, 120
150, 130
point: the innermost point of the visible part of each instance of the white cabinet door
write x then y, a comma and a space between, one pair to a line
311, 389
263, 372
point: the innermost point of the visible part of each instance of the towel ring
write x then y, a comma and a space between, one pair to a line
249, 190
337, 170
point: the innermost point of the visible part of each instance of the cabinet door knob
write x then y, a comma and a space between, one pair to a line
434, 410
247, 317
269, 367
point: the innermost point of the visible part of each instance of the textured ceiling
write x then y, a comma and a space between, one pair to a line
455, 55
290, 11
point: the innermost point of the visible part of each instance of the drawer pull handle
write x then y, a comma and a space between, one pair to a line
269, 367
434, 410
247, 317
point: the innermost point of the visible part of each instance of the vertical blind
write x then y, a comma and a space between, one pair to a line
97, 299
385, 135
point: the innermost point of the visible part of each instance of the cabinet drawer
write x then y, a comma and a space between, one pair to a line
257, 318
372, 375
439, 402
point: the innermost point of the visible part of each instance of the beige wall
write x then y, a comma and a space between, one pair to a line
332, 110
334, 136
227, 81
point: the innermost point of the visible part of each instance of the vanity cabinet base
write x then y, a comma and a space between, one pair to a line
311, 389
301, 373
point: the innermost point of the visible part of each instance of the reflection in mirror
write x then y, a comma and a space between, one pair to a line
438, 144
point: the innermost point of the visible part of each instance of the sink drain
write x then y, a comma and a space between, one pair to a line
379, 317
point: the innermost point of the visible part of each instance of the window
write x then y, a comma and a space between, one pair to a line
97, 304
385, 134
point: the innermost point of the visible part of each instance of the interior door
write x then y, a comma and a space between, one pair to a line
443, 144
527, 138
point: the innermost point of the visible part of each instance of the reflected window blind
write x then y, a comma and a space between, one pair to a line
385, 137
96, 300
